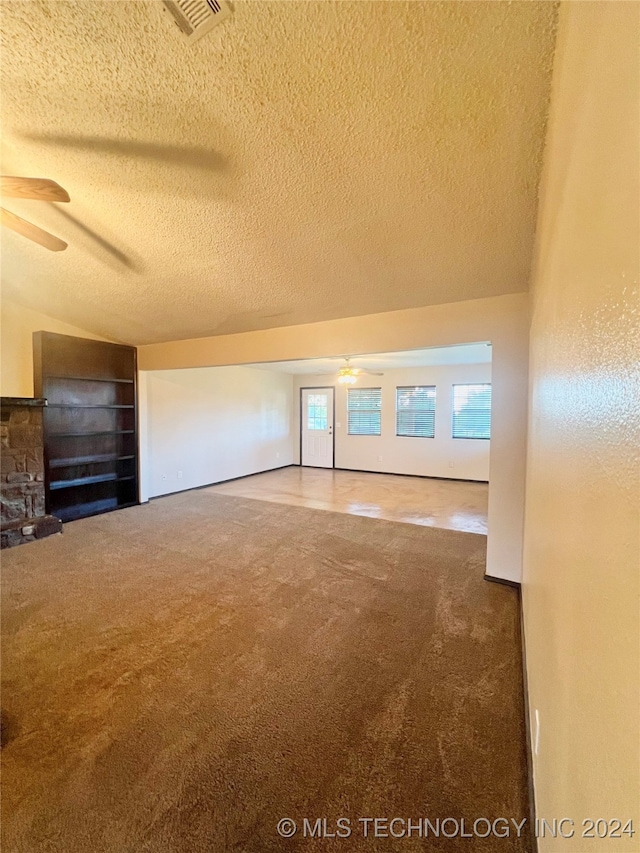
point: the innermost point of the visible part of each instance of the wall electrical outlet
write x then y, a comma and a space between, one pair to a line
179, 475
277, 456
379, 458
452, 464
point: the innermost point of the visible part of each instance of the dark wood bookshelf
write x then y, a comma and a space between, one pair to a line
90, 424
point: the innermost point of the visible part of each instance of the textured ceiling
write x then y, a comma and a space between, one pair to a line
462, 354
303, 161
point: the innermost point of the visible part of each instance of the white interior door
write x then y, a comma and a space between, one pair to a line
317, 427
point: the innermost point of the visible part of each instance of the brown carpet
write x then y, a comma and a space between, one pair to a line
178, 677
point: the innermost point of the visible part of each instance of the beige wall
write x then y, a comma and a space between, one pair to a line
440, 456
213, 424
581, 553
502, 320
17, 327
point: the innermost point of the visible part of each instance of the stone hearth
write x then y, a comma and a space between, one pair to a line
22, 496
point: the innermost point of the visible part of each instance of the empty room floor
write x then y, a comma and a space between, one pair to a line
452, 504
178, 677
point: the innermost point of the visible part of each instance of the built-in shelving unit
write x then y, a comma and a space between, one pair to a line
90, 424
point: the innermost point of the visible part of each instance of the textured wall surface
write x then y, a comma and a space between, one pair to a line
302, 162
581, 555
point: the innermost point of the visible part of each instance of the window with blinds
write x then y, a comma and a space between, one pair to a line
363, 411
416, 411
471, 411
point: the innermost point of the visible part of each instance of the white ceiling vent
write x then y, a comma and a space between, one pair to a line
197, 17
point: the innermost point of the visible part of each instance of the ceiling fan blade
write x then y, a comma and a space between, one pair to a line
32, 232
39, 189
370, 372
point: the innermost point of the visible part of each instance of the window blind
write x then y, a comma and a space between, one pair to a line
471, 411
363, 411
416, 411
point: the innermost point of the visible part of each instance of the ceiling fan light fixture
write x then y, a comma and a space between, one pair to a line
347, 376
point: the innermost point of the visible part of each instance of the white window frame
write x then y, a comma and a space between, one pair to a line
478, 385
417, 412
373, 410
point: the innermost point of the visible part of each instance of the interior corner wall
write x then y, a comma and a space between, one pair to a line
501, 320
17, 327
212, 424
581, 547
440, 456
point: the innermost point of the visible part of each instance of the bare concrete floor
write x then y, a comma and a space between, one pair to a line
451, 504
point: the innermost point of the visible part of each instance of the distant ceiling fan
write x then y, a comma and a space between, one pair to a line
348, 375
37, 189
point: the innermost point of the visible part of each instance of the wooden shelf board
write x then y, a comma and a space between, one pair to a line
67, 462
88, 378
91, 434
71, 513
90, 406
88, 481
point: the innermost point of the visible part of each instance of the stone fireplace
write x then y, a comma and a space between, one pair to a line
22, 488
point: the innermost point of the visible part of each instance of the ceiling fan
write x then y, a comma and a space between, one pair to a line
348, 375
37, 189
